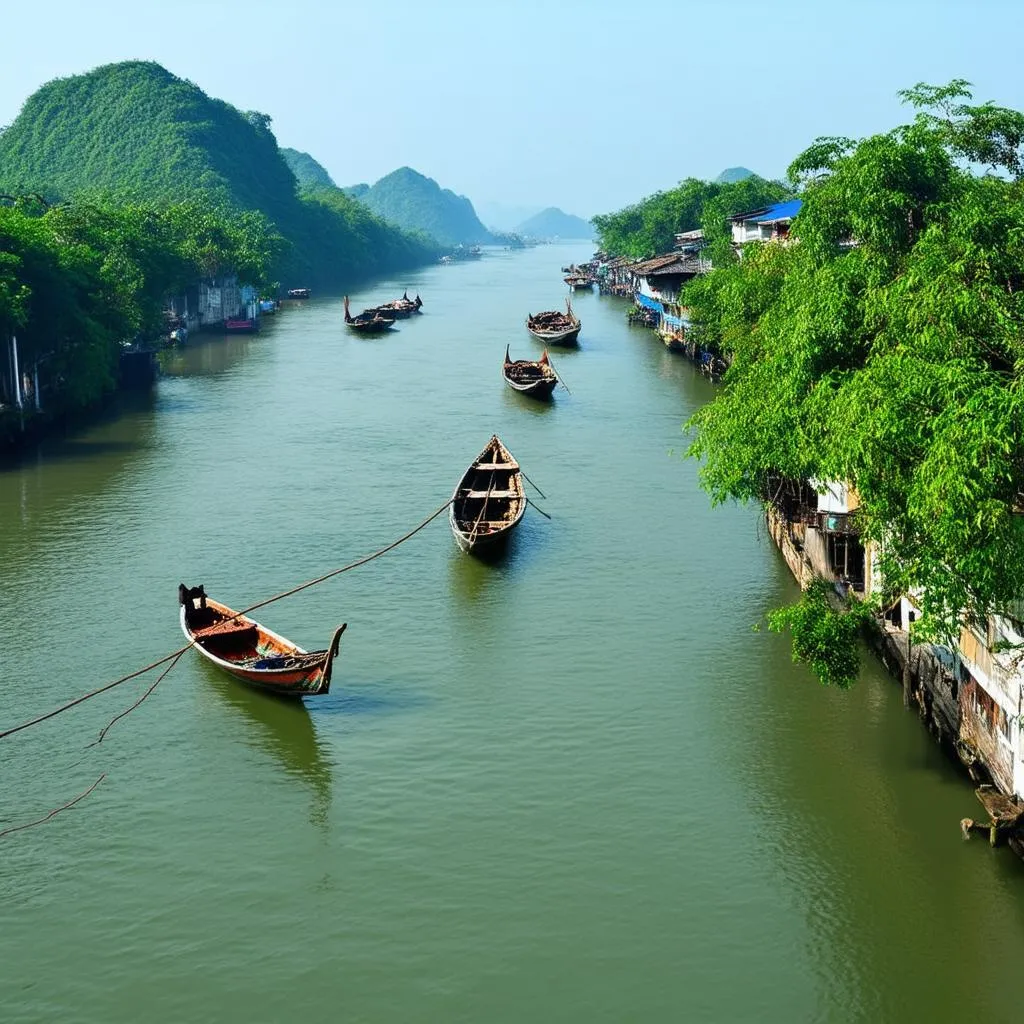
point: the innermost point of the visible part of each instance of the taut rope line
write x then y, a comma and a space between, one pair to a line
261, 604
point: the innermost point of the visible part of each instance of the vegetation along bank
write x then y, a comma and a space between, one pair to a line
872, 400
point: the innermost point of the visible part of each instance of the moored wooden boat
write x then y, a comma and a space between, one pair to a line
579, 282
369, 321
489, 502
555, 328
530, 377
250, 651
239, 326
399, 309
298, 293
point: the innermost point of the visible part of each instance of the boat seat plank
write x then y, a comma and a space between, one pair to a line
490, 494
497, 465
230, 628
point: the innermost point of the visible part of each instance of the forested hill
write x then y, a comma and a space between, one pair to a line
733, 174
553, 223
308, 173
134, 129
414, 202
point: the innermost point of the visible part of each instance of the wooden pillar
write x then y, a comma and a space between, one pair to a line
35, 387
906, 672
17, 374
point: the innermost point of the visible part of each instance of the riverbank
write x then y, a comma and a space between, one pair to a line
572, 783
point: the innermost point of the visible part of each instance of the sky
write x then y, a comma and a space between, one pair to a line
584, 106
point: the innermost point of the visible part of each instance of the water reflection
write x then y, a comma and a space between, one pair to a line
284, 730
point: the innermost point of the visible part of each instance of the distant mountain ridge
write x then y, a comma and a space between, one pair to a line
503, 216
135, 130
554, 223
308, 173
414, 202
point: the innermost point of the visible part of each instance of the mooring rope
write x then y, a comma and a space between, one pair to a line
174, 655
54, 812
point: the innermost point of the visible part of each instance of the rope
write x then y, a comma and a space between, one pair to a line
181, 650
487, 498
128, 711
55, 812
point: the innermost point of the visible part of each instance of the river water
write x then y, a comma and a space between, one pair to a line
573, 786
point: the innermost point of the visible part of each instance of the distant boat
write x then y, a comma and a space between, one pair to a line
530, 377
554, 327
368, 322
239, 326
251, 652
489, 502
299, 293
578, 282
399, 309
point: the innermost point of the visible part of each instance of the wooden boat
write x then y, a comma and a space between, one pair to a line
248, 325
530, 377
369, 321
555, 328
399, 309
579, 283
298, 293
489, 501
251, 652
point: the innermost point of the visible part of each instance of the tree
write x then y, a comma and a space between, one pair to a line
884, 347
651, 226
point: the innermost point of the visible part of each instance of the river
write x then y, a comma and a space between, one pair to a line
577, 785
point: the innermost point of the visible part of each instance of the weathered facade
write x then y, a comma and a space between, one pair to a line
208, 303
970, 696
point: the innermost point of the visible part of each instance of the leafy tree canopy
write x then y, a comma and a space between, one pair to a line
651, 226
884, 347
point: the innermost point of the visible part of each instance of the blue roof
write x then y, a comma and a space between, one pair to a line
780, 211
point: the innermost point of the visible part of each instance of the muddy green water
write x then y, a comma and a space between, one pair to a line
574, 786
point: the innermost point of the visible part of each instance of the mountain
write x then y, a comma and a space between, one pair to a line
414, 202
308, 173
135, 129
502, 216
355, 191
553, 223
733, 174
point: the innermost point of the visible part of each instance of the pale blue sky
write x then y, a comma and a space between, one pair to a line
587, 106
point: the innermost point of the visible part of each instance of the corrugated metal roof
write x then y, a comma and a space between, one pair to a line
780, 211
766, 214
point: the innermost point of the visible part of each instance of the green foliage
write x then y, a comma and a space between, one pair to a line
79, 280
825, 639
413, 202
308, 173
650, 226
884, 347
136, 132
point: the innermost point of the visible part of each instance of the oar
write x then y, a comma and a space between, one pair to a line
540, 510
535, 487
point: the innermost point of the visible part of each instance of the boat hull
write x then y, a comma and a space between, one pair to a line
538, 389
253, 654
241, 326
490, 543
493, 484
565, 338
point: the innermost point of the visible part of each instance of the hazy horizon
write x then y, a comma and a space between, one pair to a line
586, 107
